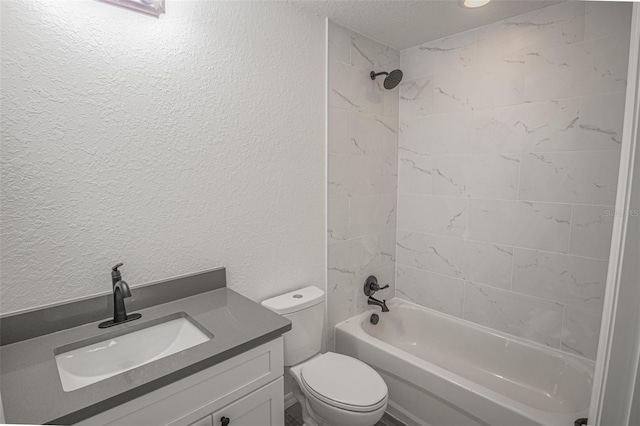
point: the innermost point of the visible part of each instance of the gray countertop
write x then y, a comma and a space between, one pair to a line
30, 385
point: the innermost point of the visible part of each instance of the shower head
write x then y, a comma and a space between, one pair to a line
391, 80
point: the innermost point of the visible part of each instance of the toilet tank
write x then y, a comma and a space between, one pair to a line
305, 309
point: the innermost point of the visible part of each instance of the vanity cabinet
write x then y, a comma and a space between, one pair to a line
205, 421
246, 390
264, 407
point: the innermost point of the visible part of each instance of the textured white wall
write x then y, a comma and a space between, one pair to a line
173, 145
509, 150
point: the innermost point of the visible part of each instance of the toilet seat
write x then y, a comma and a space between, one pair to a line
344, 382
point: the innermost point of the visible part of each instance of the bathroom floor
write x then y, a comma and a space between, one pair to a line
293, 417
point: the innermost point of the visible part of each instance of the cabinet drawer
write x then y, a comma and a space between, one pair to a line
205, 421
192, 398
264, 407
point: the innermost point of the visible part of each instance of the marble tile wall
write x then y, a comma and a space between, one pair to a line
362, 172
508, 160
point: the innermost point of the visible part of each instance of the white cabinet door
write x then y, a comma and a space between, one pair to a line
205, 421
264, 407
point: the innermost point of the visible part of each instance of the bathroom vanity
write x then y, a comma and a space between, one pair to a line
53, 368
246, 390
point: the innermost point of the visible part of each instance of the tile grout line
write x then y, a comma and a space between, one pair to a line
561, 203
563, 304
564, 313
499, 244
571, 231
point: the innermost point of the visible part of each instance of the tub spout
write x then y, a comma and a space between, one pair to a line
382, 303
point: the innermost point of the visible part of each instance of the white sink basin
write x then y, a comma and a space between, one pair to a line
83, 363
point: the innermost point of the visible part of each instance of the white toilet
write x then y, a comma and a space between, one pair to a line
333, 389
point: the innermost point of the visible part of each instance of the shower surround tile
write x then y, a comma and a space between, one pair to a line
508, 157
371, 215
337, 219
371, 55
442, 134
591, 67
493, 176
534, 319
362, 172
601, 120
588, 177
352, 88
387, 241
350, 262
417, 97
364, 175
552, 26
480, 176
571, 280
450, 176
446, 256
529, 127
339, 130
391, 102
439, 292
520, 223
591, 229
355, 255
470, 260
370, 134
341, 81
607, 18
580, 331
338, 176
339, 43
448, 53
480, 86
490, 264
433, 215
414, 173
412, 249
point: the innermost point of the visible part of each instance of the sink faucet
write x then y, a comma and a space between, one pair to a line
382, 303
370, 287
120, 292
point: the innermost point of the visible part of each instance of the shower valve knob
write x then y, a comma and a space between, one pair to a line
371, 285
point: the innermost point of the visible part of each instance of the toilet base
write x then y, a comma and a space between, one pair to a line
306, 410
312, 417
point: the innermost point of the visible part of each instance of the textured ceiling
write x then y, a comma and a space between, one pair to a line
403, 24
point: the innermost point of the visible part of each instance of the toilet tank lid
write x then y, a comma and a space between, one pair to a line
294, 301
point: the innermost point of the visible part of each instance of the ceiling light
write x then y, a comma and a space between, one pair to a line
474, 3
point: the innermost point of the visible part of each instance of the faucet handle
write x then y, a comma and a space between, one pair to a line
115, 274
371, 285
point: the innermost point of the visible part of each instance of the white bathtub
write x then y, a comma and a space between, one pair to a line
445, 371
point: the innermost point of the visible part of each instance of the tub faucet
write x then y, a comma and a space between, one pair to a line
382, 303
370, 287
120, 292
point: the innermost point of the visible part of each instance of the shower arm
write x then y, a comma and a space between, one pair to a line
375, 74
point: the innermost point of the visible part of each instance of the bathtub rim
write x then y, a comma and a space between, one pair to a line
352, 326
398, 301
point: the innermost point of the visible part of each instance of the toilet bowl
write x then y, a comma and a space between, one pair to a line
338, 390
333, 389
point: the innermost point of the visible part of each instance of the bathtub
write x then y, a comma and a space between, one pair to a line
442, 370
